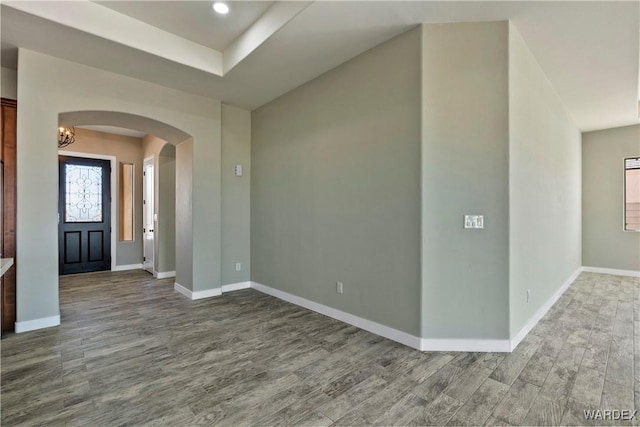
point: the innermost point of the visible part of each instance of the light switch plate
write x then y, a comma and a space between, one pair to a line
237, 170
474, 221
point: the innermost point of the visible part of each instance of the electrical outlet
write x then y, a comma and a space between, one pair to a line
528, 295
238, 266
339, 287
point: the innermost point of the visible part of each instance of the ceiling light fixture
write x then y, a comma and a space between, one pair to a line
66, 136
221, 8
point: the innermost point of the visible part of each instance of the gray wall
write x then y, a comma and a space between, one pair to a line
184, 203
48, 87
206, 155
128, 150
166, 199
544, 194
335, 187
236, 194
164, 155
604, 242
465, 140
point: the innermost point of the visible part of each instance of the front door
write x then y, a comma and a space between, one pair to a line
84, 215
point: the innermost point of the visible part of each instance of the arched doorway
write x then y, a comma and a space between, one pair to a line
52, 91
140, 230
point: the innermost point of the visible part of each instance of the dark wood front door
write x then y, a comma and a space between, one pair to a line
84, 225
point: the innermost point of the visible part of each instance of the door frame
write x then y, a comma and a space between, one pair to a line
114, 200
152, 161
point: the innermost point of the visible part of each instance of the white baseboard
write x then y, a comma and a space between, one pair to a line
235, 286
613, 271
367, 325
468, 345
423, 344
127, 267
198, 294
164, 274
181, 289
206, 294
539, 314
32, 325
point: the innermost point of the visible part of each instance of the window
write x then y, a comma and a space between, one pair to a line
83, 193
632, 194
126, 202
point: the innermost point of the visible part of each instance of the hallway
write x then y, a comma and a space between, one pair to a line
131, 350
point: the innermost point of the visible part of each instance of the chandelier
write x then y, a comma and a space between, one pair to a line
66, 136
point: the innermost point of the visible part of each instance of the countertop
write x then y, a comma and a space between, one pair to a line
5, 264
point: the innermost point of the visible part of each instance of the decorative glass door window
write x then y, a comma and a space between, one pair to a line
83, 193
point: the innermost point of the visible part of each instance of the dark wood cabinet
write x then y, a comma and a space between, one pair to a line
8, 223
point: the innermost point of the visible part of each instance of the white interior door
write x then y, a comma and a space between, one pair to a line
148, 214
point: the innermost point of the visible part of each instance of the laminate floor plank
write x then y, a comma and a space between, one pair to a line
513, 364
537, 369
132, 351
559, 383
545, 412
516, 403
339, 406
481, 404
407, 408
437, 412
300, 409
465, 385
372, 408
588, 386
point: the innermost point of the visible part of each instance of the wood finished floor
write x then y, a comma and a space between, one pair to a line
131, 351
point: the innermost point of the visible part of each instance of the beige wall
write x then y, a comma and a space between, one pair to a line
128, 150
544, 187
605, 244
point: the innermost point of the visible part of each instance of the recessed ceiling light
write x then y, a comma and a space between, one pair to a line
221, 8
